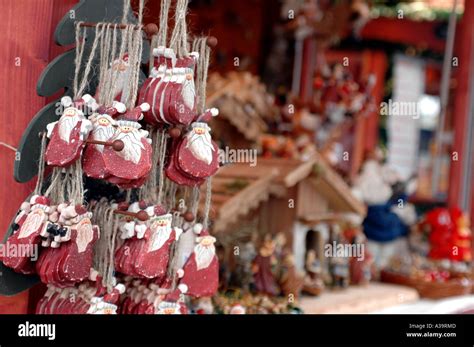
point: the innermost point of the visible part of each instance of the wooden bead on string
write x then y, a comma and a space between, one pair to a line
174, 132
188, 216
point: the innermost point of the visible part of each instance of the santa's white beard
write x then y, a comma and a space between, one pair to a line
122, 85
160, 236
102, 133
132, 151
201, 146
204, 255
188, 93
65, 126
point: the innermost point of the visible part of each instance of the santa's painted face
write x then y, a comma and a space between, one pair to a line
71, 116
162, 221
103, 129
70, 112
132, 140
120, 65
205, 252
207, 241
168, 308
200, 144
103, 121
161, 231
126, 129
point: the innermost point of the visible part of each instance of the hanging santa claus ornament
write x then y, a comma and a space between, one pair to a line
120, 72
103, 129
67, 259
146, 250
195, 157
68, 135
152, 262
170, 89
89, 297
133, 162
200, 275
26, 238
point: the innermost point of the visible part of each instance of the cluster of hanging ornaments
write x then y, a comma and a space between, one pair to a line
139, 242
90, 297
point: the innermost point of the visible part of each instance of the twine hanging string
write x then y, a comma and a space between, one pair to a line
40, 178
179, 37
111, 76
148, 191
107, 47
135, 58
161, 179
80, 44
99, 31
200, 45
207, 202
162, 38
126, 9
104, 250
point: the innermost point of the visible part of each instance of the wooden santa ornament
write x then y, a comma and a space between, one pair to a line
68, 135
28, 226
103, 129
134, 160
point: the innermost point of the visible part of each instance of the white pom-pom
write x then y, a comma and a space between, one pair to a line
120, 288
88, 99
197, 228
214, 112
145, 107
66, 101
120, 107
93, 274
183, 288
33, 199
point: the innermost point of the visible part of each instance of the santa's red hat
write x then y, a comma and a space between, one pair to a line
80, 209
142, 204
198, 228
136, 114
39, 200
159, 210
113, 111
123, 206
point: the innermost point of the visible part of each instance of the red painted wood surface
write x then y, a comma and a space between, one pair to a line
464, 49
26, 29
404, 31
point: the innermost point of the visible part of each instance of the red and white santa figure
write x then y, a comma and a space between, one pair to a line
198, 154
70, 261
134, 160
103, 128
68, 135
28, 225
200, 275
153, 260
195, 158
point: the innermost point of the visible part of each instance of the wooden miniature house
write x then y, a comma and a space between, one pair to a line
278, 195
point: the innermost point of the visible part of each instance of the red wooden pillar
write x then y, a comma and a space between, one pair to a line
26, 31
464, 50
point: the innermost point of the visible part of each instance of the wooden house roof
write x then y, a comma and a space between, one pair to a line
239, 188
